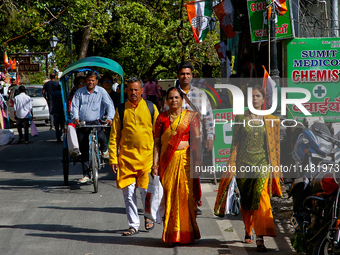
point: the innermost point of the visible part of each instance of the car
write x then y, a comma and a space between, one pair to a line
40, 106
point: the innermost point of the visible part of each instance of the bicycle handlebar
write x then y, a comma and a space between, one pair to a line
83, 124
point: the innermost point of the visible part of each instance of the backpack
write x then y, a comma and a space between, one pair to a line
121, 110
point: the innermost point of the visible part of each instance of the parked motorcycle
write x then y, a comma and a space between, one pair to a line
316, 216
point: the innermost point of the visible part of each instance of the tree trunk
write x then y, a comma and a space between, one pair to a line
86, 39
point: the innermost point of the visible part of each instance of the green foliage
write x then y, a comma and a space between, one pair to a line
142, 35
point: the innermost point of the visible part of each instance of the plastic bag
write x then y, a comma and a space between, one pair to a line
72, 139
34, 130
233, 203
6, 136
154, 209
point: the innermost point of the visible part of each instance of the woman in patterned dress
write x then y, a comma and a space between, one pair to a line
255, 145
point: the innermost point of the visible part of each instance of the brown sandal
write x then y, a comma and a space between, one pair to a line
130, 232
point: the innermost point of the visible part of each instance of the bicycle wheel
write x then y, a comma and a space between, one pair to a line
94, 164
66, 165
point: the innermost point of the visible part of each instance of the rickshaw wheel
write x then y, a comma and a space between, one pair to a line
65, 165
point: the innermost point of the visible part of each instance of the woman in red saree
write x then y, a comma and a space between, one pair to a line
173, 131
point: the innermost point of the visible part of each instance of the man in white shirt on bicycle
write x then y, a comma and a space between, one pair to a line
89, 104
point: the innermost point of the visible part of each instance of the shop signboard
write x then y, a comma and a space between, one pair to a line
223, 134
257, 10
25, 65
314, 64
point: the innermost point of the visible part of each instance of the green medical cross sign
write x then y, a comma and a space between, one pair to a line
319, 91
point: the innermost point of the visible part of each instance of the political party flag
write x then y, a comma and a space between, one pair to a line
9, 65
281, 6
14, 64
225, 14
221, 49
268, 87
5, 58
199, 14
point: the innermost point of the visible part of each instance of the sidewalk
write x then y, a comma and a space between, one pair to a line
232, 228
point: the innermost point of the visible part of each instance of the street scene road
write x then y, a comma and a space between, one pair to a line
39, 215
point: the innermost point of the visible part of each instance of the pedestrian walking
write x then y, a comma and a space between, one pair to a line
255, 145
133, 132
151, 90
196, 99
174, 131
58, 112
48, 89
22, 110
106, 82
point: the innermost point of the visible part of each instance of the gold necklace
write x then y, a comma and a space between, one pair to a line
174, 132
173, 116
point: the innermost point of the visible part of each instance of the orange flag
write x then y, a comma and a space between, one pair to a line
5, 58
281, 6
14, 65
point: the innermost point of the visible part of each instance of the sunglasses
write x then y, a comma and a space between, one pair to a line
106, 81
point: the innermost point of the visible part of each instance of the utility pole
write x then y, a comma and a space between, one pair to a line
274, 71
71, 42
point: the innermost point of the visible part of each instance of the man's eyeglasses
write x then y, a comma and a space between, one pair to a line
106, 81
81, 83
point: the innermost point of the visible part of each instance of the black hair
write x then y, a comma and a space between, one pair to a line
92, 73
77, 80
185, 64
259, 88
22, 89
174, 88
52, 76
107, 76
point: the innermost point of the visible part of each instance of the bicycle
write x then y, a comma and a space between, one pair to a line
96, 160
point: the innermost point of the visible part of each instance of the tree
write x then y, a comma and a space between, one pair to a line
151, 37
145, 37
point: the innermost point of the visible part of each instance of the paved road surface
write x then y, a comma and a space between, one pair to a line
39, 215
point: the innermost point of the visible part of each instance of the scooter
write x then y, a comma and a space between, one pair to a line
315, 194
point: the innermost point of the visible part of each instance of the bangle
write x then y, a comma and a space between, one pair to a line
154, 167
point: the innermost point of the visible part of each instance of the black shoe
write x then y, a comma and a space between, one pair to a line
26, 142
21, 141
199, 212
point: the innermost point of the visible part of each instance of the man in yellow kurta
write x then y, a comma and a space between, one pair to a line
135, 139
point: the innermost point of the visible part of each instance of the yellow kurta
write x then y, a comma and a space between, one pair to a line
136, 145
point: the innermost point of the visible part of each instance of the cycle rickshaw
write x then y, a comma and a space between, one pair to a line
95, 159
